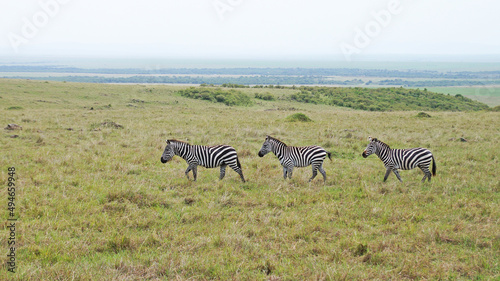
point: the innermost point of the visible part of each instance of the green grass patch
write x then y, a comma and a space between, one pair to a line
487, 94
106, 124
298, 117
15, 108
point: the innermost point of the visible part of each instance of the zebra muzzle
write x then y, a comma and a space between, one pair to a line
364, 154
163, 161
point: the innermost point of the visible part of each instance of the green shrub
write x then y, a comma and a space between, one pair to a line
231, 85
496, 108
298, 117
423, 115
228, 97
265, 96
306, 97
15, 108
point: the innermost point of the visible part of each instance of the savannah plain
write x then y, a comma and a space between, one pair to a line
94, 202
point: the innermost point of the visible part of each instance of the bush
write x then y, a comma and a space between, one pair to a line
228, 97
231, 85
306, 97
15, 108
423, 115
496, 108
298, 117
265, 96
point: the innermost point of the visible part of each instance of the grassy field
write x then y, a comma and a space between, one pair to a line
489, 95
95, 203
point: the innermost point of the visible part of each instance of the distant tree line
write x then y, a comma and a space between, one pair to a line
264, 72
245, 81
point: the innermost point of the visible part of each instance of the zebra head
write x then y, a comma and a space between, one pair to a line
266, 147
168, 153
371, 148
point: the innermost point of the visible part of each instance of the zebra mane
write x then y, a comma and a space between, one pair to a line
276, 140
178, 141
381, 143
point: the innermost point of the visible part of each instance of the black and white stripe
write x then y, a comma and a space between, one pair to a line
292, 156
205, 156
404, 159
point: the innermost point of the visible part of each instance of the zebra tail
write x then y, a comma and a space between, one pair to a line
433, 166
329, 155
238, 163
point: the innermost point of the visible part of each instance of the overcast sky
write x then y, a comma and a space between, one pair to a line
290, 29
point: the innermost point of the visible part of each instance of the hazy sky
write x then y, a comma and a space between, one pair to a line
290, 29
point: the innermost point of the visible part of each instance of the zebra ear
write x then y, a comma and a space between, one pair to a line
369, 138
168, 141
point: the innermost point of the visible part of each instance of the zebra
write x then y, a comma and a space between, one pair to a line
205, 156
404, 159
292, 156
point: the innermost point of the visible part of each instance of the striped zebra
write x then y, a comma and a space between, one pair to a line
404, 159
205, 156
292, 156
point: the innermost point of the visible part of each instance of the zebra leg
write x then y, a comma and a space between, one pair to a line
427, 173
315, 172
239, 171
222, 171
387, 174
397, 175
322, 171
284, 172
236, 169
195, 172
290, 171
187, 171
